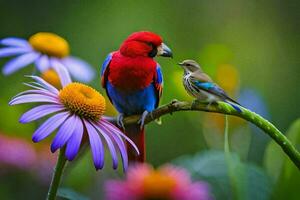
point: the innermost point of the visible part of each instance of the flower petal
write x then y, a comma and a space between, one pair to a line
123, 151
105, 133
121, 145
110, 126
79, 69
74, 142
61, 70
49, 126
30, 98
38, 91
64, 133
19, 62
11, 51
96, 145
44, 84
42, 63
17, 42
39, 112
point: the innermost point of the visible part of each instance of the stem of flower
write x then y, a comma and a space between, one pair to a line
224, 108
226, 137
235, 167
228, 159
57, 173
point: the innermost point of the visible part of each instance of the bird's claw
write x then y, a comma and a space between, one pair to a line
174, 101
142, 119
195, 102
120, 123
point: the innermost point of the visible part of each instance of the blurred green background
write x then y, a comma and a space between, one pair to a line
256, 41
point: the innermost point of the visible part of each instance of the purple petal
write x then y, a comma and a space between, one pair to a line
34, 85
49, 126
121, 145
110, 126
31, 98
17, 42
12, 51
96, 145
19, 62
42, 63
40, 88
44, 84
74, 142
122, 148
79, 69
39, 112
109, 142
39, 91
64, 133
61, 70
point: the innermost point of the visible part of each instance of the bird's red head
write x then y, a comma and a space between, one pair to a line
144, 43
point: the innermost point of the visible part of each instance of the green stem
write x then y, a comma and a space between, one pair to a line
58, 171
235, 169
224, 108
226, 140
267, 127
228, 159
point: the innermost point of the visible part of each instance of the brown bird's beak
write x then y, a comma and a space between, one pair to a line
164, 51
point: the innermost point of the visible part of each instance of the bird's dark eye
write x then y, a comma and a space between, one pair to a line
187, 64
149, 44
153, 51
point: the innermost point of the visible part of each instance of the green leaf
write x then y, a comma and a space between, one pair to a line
70, 194
210, 166
285, 174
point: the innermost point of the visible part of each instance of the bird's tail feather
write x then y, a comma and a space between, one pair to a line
235, 106
137, 135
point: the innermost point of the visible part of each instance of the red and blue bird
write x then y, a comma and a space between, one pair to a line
133, 81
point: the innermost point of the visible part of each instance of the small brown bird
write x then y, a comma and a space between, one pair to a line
201, 86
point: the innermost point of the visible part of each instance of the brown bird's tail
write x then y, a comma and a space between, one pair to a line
137, 135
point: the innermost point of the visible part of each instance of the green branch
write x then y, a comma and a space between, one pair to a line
57, 173
224, 108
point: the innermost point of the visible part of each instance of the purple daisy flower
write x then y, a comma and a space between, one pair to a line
47, 51
76, 110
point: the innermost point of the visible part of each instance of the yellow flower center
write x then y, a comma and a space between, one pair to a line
83, 101
52, 77
158, 185
50, 44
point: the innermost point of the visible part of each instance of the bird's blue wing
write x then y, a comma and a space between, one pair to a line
211, 88
214, 89
104, 70
158, 83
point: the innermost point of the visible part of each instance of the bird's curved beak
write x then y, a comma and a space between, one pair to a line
164, 51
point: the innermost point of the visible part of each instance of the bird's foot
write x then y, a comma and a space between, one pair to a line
120, 123
196, 102
174, 101
141, 122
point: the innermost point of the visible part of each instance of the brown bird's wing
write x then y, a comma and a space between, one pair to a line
201, 77
204, 82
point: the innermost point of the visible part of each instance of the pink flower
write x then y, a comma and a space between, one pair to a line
168, 182
16, 152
